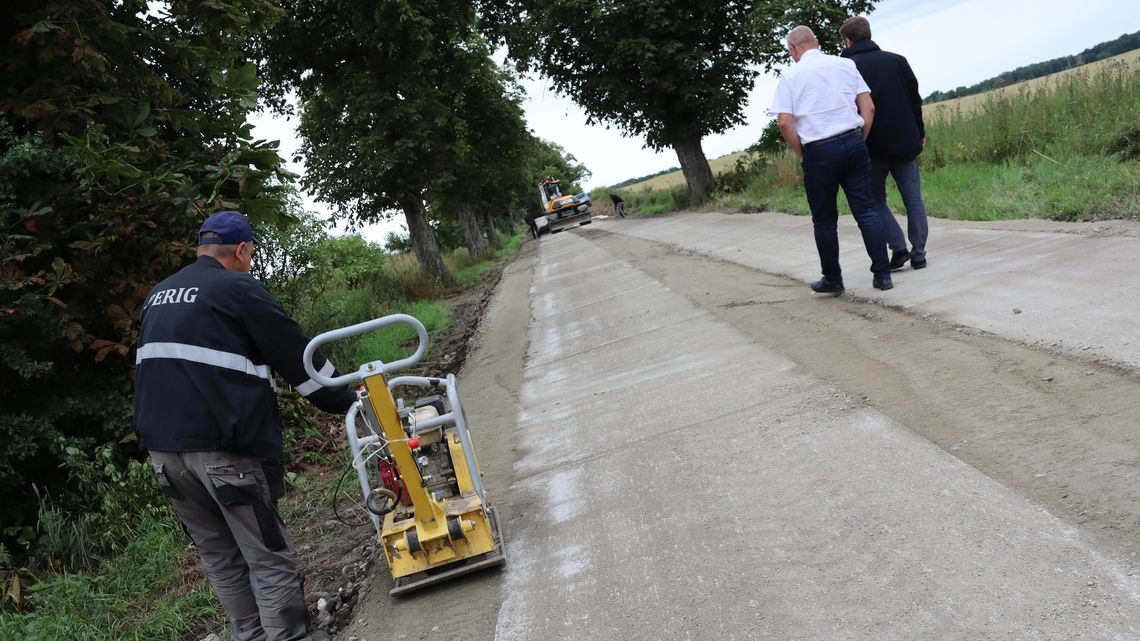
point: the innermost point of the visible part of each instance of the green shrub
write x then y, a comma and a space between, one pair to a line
102, 184
407, 281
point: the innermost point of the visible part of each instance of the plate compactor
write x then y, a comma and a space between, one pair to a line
416, 465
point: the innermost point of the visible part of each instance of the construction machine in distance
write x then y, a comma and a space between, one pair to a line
416, 465
562, 211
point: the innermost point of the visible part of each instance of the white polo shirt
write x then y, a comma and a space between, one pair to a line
819, 91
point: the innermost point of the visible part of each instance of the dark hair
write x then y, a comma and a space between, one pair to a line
856, 29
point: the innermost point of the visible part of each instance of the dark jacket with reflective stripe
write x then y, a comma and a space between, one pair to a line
209, 338
897, 130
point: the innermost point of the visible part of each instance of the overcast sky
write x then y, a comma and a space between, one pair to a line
949, 43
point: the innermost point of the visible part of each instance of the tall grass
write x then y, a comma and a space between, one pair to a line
395, 342
644, 202
1082, 116
136, 594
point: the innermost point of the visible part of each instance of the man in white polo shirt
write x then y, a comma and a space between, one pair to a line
824, 111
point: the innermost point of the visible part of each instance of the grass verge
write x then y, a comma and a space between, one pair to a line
1074, 189
148, 591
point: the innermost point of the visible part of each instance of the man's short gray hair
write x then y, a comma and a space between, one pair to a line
801, 35
215, 250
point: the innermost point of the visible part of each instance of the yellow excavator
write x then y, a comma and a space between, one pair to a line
562, 211
416, 466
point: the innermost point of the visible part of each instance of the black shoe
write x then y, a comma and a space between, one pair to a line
824, 286
883, 283
899, 258
918, 264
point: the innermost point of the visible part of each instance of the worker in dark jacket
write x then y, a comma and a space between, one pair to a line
896, 139
530, 218
619, 205
205, 407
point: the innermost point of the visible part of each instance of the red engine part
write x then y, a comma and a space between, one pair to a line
390, 476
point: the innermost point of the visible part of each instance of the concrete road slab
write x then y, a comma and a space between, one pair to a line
755, 502
1071, 291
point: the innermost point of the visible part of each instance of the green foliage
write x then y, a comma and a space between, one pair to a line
63, 542
119, 129
493, 158
1073, 188
343, 282
1126, 144
396, 243
1011, 125
126, 492
647, 203
395, 342
1070, 188
771, 22
381, 90
132, 595
287, 253
550, 159
670, 71
467, 269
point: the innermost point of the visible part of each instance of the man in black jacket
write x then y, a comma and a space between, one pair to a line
529, 218
210, 341
619, 205
896, 139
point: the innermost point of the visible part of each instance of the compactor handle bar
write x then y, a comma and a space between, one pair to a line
366, 369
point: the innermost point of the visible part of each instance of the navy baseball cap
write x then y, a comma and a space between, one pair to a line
231, 227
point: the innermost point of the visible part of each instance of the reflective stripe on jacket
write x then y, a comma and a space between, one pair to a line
209, 344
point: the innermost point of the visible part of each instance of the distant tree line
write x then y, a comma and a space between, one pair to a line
633, 181
1123, 44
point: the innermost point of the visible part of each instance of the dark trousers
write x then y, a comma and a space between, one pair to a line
533, 227
909, 182
828, 165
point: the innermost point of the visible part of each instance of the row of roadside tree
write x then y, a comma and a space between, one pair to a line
123, 124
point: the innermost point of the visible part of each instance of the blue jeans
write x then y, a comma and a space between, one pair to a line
829, 165
909, 183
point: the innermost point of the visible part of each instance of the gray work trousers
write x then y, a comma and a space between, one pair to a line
225, 503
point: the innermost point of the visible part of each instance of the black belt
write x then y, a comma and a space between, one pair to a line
837, 136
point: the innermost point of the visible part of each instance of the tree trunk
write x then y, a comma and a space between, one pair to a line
512, 224
476, 246
492, 233
696, 168
423, 240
